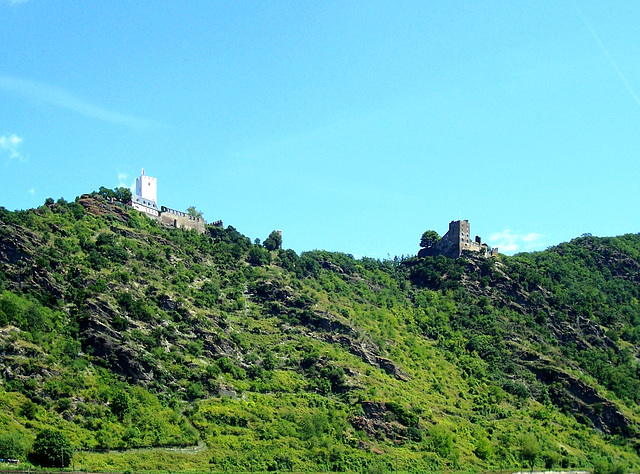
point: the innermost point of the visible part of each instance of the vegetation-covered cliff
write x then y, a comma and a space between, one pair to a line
153, 348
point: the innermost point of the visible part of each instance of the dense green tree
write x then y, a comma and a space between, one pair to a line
288, 259
274, 241
259, 256
483, 449
122, 194
28, 409
51, 448
106, 192
441, 441
429, 239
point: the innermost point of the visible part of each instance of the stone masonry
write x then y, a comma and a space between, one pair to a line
458, 240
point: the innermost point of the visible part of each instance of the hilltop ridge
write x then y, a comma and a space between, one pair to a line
123, 334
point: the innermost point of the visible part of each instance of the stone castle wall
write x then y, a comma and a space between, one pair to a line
181, 220
458, 240
145, 200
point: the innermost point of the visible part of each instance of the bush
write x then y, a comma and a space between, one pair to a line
13, 446
120, 404
259, 256
402, 415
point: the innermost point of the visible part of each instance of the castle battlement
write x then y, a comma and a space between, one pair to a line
180, 214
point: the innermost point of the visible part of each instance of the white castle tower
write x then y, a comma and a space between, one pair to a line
147, 187
146, 196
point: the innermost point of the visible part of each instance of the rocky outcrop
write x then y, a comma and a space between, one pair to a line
379, 421
582, 400
375, 421
100, 340
13, 248
368, 352
326, 326
98, 206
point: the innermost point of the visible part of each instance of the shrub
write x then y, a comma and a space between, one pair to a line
402, 415
13, 446
120, 404
259, 256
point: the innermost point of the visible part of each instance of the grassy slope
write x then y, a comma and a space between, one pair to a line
125, 335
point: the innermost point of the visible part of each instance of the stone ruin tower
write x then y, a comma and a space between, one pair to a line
457, 240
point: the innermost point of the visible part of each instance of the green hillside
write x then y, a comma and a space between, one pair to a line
149, 348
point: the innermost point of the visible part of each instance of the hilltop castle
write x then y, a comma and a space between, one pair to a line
146, 200
456, 241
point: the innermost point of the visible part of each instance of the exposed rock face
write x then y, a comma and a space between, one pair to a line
16, 246
379, 421
375, 421
368, 352
327, 327
99, 207
102, 341
12, 248
580, 399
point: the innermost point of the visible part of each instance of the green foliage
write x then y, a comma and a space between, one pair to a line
274, 241
14, 445
259, 256
403, 415
429, 239
123, 334
193, 212
134, 307
604, 466
120, 404
529, 449
483, 449
28, 410
441, 442
51, 448
123, 194
119, 194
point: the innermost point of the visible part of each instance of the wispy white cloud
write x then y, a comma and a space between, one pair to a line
510, 242
32, 191
61, 98
532, 237
122, 180
11, 144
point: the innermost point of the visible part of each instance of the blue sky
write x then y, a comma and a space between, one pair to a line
351, 126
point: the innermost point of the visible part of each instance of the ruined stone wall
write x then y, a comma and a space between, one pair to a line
458, 240
181, 220
450, 245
